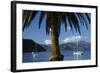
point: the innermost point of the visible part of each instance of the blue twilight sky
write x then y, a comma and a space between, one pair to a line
39, 35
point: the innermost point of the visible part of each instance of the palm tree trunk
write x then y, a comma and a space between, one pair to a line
56, 55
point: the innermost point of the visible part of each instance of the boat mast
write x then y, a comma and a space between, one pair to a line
77, 45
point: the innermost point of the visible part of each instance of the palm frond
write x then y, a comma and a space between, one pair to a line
63, 20
84, 19
75, 22
70, 21
24, 14
48, 25
42, 14
88, 17
29, 17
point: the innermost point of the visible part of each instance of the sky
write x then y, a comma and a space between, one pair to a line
39, 35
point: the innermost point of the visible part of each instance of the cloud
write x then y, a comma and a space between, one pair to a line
47, 42
74, 38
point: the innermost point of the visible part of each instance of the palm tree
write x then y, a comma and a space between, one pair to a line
54, 20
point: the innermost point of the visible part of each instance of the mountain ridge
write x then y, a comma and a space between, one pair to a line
29, 45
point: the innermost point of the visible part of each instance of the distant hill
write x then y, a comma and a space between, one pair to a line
82, 45
29, 46
47, 47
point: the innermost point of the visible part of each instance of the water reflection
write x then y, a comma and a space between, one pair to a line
44, 56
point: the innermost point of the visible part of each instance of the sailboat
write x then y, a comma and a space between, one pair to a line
77, 53
34, 53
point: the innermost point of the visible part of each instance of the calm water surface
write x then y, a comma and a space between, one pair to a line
44, 56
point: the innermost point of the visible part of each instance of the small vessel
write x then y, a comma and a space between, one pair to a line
34, 53
77, 53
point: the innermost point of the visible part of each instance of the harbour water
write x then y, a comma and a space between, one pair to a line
44, 56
